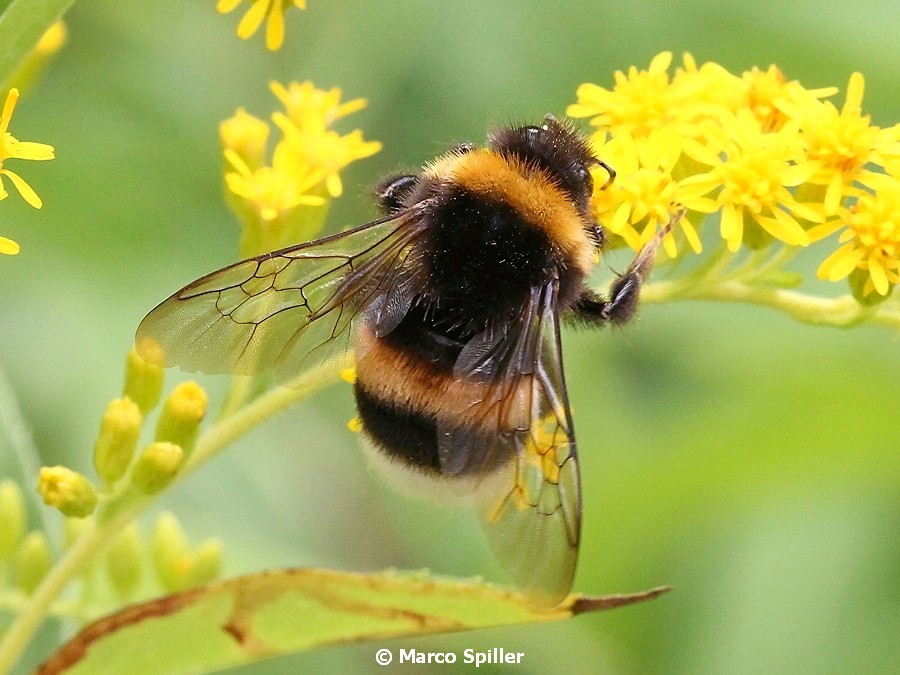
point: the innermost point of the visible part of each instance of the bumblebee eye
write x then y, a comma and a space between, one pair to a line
584, 178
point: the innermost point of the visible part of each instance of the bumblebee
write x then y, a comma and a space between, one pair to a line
451, 302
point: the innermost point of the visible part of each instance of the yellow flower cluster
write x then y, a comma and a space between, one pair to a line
12, 148
270, 11
776, 159
304, 169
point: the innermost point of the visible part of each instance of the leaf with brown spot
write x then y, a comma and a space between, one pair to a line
283, 611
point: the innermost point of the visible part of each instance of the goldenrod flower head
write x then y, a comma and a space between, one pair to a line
751, 172
326, 150
309, 108
772, 98
67, 490
12, 148
642, 199
271, 11
640, 102
272, 190
246, 136
273, 198
843, 142
870, 238
114, 448
776, 160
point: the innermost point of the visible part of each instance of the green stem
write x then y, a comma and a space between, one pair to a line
843, 311
125, 507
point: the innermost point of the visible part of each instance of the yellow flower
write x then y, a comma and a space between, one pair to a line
644, 194
842, 142
12, 148
246, 135
272, 190
772, 98
257, 13
640, 101
871, 240
308, 107
752, 170
308, 153
322, 150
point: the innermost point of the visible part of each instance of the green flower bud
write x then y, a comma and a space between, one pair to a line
12, 518
143, 382
156, 467
124, 562
206, 563
67, 490
120, 429
33, 562
170, 553
179, 421
858, 280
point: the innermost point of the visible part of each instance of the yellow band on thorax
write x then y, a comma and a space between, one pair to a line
528, 190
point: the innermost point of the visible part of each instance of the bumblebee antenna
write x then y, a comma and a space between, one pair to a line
610, 171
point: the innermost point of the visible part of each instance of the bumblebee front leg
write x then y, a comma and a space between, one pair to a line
391, 193
622, 300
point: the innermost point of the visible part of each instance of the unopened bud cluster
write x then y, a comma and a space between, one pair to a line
117, 458
129, 564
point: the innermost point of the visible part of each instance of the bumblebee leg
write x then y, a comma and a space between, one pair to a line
391, 193
624, 292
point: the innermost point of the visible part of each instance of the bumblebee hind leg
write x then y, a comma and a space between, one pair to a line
621, 303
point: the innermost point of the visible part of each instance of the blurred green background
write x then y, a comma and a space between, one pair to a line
749, 461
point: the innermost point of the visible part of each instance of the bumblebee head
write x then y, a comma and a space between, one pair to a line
557, 149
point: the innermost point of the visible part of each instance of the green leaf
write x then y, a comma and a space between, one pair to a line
22, 23
271, 613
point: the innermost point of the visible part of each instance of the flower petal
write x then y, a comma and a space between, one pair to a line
8, 246
275, 28
225, 6
24, 188
252, 20
839, 264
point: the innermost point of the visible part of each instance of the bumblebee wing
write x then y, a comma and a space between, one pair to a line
289, 309
520, 420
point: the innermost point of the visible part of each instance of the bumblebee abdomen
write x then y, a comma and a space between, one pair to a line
405, 434
406, 395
